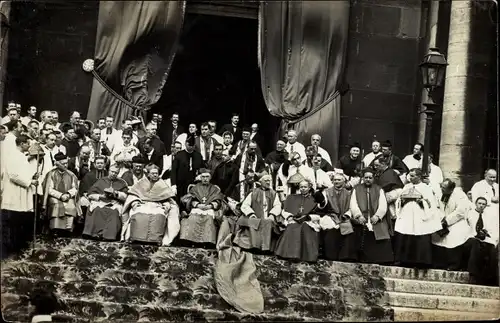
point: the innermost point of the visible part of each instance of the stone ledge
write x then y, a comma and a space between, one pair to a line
442, 289
406, 314
451, 303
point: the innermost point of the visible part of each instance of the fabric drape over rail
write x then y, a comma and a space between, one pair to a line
135, 46
302, 47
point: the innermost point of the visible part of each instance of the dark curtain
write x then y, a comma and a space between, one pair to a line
135, 46
302, 47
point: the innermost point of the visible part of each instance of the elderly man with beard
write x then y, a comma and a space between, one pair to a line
203, 203
61, 200
150, 212
249, 160
134, 175
106, 198
260, 210
335, 223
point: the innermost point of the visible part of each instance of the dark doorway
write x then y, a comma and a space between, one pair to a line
215, 73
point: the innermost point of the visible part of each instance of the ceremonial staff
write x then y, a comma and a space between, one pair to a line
36, 151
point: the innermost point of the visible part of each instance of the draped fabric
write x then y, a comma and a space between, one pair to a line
302, 47
135, 46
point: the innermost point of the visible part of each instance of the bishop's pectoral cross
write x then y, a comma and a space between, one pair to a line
301, 209
204, 200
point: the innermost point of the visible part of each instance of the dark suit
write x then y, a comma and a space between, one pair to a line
236, 131
156, 159
258, 139
182, 175
166, 134
72, 147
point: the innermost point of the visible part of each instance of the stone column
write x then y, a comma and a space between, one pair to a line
465, 93
430, 41
4, 45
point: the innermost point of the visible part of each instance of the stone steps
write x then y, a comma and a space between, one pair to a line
407, 314
442, 289
105, 311
450, 303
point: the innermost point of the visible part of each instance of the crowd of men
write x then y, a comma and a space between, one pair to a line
154, 182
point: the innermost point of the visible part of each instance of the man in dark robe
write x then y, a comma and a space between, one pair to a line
222, 174
97, 146
311, 152
169, 131
151, 155
134, 175
394, 161
260, 210
70, 140
106, 200
276, 158
153, 140
81, 164
370, 241
185, 168
392, 185
335, 223
352, 165
250, 160
243, 188
61, 200
217, 158
99, 171
240, 147
300, 240
203, 202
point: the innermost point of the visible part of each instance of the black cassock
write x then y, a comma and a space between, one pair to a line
184, 170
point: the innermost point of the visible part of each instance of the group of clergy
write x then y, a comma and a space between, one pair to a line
154, 183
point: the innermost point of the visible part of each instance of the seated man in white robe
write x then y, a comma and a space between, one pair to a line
481, 251
106, 198
203, 202
150, 213
260, 209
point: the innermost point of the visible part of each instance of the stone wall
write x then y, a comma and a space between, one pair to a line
48, 44
382, 70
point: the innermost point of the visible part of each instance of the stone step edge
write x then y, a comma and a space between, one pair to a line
492, 302
406, 314
491, 289
214, 311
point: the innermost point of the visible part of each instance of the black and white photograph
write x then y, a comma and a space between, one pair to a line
249, 161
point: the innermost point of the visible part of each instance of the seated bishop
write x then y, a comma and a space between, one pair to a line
300, 240
106, 199
203, 201
260, 210
150, 213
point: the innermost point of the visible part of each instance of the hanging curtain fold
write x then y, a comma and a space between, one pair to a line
135, 46
302, 47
